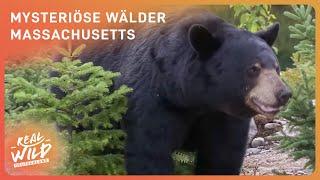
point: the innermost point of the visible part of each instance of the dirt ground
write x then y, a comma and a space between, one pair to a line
271, 161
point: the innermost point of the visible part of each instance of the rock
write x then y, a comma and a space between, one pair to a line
276, 137
273, 126
279, 135
261, 119
280, 121
301, 173
268, 138
253, 130
291, 132
256, 142
253, 151
279, 172
260, 122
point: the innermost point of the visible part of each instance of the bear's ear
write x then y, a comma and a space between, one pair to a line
270, 34
202, 41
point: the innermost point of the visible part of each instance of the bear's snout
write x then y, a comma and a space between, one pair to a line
283, 96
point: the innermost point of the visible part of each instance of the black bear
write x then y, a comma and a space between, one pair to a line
197, 82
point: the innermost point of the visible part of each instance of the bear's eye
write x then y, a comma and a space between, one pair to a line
254, 70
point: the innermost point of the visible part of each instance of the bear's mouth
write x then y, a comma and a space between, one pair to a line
263, 108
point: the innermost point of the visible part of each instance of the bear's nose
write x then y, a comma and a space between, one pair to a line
284, 96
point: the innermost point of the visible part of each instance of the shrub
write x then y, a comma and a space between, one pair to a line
253, 18
301, 109
88, 115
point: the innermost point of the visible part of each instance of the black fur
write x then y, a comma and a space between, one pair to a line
185, 94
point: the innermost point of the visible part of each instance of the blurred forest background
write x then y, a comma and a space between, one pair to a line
284, 43
88, 114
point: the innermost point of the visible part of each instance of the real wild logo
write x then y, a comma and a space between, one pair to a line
33, 150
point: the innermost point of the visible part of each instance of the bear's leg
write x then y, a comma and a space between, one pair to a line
151, 139
222, 145
147, 153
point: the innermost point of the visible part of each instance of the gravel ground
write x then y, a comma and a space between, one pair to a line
271, 161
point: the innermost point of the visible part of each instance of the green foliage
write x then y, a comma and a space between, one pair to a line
86, 114
184, 157
301, 109
184, 162
31, 72
253, 18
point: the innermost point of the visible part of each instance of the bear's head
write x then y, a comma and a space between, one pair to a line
240, 71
